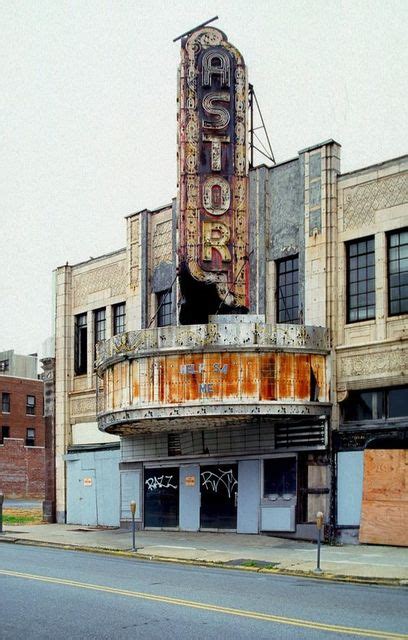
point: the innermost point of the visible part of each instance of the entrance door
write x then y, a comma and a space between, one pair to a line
219, 496
161, 497
88, 497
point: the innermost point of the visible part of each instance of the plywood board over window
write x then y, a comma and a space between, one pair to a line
384, 516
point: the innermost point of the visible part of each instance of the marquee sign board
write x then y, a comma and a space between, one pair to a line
213, 168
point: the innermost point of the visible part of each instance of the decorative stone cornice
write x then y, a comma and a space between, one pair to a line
198, 338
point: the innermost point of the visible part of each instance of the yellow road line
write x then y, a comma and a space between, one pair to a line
297, 622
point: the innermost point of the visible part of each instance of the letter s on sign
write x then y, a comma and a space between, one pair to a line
221, 114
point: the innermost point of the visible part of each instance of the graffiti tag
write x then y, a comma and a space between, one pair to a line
161, 482
213, 481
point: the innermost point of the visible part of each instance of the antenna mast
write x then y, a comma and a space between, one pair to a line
266, 150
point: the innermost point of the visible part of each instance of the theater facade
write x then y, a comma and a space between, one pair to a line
203, 370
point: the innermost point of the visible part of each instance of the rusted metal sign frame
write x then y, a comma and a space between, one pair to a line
213, 160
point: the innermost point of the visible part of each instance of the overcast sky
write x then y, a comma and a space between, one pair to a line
88, 116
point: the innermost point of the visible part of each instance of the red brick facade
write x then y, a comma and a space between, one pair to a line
22, 470
22, 467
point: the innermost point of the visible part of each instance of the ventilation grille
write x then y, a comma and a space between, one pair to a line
302, 436
173, 444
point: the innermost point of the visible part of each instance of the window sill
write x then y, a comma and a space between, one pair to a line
397, 316
360, 323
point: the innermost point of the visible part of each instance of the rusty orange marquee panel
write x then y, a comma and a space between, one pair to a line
214, 377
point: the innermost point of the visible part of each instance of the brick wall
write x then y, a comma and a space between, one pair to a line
17, 420
22, 470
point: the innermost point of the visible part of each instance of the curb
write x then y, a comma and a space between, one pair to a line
300, 573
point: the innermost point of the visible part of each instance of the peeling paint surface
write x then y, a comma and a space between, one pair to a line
212, 373
215, 376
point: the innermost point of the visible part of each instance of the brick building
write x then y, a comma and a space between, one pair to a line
22, 428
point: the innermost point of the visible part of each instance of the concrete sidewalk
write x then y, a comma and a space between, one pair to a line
368, 563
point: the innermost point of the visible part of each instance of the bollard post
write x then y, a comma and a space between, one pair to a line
319, 525
133, 511
1, 511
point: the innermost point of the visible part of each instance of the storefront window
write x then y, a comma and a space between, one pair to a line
279, 478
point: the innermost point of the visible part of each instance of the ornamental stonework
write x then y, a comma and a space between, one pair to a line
162, 243
83, 406
375, 364
362, 201
111, 276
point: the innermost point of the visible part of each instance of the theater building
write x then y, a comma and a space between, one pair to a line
221, 344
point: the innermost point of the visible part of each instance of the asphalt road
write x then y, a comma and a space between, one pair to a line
52, 593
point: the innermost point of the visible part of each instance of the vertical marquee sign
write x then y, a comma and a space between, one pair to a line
213, 174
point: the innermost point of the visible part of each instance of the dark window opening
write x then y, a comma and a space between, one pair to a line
314, 387
30, 438
4, 433
81, 344
99, 327
279, 477
375, 404
360, 280
4, 365
288, 290
164, 304
5, 402
30, 405
398, 272
100, 324
119, 318
397, 405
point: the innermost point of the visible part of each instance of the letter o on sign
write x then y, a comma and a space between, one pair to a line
216, 195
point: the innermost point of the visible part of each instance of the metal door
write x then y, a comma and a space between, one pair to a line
87, 485
219, 496
161, 497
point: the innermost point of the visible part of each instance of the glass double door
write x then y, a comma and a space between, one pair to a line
161, 497
219, 496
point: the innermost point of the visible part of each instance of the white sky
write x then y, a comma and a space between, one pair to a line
88, 115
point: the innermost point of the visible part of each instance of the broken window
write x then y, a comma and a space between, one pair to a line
81, 344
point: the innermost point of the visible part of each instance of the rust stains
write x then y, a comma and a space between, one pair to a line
135, 396
249, 376
318, 367
285, 377
302, 377
216, 377
268, 376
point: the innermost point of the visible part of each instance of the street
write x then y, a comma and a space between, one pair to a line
50, 593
